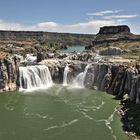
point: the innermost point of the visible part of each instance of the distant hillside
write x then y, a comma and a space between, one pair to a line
45, 37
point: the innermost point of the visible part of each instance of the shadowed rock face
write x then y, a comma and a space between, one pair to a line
116, 79
114, 29
9, 73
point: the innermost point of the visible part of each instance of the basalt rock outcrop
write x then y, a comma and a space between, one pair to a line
115, 36
116, 79
9, 73
114, 29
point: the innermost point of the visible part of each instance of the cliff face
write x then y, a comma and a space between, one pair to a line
114, 29
116, 36
9, 74
115, 79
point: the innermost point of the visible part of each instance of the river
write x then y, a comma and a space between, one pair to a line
59, 113
70, 49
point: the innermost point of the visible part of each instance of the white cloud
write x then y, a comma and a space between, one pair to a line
6, 25
90, 26
102, 13
119, 17
48, 25
84, 27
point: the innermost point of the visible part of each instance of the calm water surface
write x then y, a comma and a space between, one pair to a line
73, 49
59, 113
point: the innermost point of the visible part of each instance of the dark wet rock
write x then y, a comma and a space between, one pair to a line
9, 73
40, 56
88, 47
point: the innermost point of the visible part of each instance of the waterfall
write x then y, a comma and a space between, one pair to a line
98, 57
65, 76
34, 77
80, 78
31, 58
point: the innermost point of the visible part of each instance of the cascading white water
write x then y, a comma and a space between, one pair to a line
98, 57
80, 78
31, 58
34, 77
65, 76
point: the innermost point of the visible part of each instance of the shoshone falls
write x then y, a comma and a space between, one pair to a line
44, 110
71, 96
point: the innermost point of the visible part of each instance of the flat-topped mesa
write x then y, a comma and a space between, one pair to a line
114, 29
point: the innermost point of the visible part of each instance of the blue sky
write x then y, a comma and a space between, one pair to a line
77, 16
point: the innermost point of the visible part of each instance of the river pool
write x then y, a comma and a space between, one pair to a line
59, 113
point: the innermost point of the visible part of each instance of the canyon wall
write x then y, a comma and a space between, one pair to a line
118, 79
46, 37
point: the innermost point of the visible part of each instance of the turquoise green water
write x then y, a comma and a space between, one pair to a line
73, 49
59, 113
